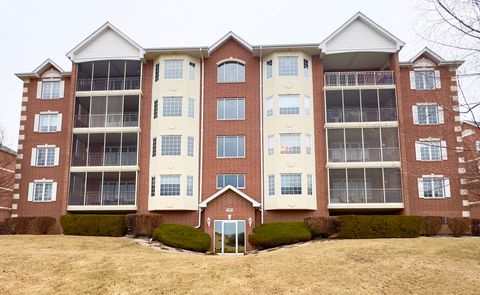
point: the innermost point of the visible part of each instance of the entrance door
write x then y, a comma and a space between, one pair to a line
230, 236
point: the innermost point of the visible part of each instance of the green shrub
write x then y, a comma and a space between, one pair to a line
475, 227
32, 225
275, 234
379, 226
182, 236
322, 227
431, 225
94, 225
143, 224
459, 226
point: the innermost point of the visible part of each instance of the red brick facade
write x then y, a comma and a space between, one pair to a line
7, 178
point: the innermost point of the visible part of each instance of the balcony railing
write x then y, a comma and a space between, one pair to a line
104, 159
370, 78
364, 115
100, 84
364, 155
108, 120
96, 198
368, 196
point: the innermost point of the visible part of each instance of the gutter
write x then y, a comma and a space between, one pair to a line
262, 191
200, 186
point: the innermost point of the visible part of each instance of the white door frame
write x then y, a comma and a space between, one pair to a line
236, 221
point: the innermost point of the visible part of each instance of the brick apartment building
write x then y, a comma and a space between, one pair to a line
7, 178
233, 135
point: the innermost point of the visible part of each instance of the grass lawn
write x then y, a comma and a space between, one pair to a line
70, 264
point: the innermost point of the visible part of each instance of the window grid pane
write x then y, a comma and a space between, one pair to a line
189, 186
271, 185
157, 71
308, 106
154, 147
171, 145
190, 146
289, 104
172, 106
231, 72
230, 108
271, 144
48, 122
51, 90
308, 144
155, 109
173, 69
235, 180
230, 146
305, 67
269, 69
290, 143
192, 71
433, 187
288, 66
309, 185
269, 106
152, 186
291, 184
191, 108
169, 185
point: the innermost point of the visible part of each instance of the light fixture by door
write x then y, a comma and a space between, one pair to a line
208, 221
250, 221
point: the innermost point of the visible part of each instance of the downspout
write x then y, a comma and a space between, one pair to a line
261, 138
200, 186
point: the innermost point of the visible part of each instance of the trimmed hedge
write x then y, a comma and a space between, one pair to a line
143, 224
38, 225
275, 234
475, 227
94, 225
459, 226
323, 227
379, 226
182, 236
431, 225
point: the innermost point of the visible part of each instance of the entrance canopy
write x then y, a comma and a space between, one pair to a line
234, 189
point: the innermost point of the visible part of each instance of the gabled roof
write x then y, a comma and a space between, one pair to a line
90, 39
229, 35
371, 24
430, 54
37, 72
7, 149
236, 190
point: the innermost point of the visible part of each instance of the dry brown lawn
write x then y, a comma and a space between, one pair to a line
101, 265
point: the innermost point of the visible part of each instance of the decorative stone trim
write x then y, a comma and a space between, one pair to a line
14, 206
18, 176
457, 118
463, 181
464, 214
455, 98
461, 171
24, 108
14, 215
457, 128
453, 88
25, 98
25, 90
461, 160
23, 118
459, 139
21, 137
459, 149
16, 196
16, 186
465, 203
464, 192
20, 146
22, 127
18, 166
20, 156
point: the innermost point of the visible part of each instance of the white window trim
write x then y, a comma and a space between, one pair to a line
443, 149
231, 157
31, 188
236, 174
56, 160
446, 186
231, 98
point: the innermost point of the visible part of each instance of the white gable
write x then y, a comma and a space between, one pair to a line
358, 36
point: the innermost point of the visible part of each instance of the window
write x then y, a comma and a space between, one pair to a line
43, 191
45, 156
305, 68
154, 147
230, 109
424, 80
309, 184
269, 106
190, 146
48, 123
173, 69
290, 143
157, 71
230, 146
189, 186
271, 144
427, 114
171, 145
291, 184
231, 72
235, 180
269, 69
288, 66
169, 185
191, 108
289, 104
50, 90
191, 70
271, 185
435, 187
155, 109
172, 106
430, 150
308, 105
308, 144
152, 186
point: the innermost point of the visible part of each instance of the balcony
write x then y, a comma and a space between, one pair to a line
102, 191
102, 84
109, 120
104, 159
361, 155
113, 75
367, 78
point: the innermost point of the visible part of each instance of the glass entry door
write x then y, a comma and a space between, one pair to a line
229, 236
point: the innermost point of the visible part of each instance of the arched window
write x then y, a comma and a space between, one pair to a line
230, 72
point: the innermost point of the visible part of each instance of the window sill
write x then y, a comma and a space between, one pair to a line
238, 82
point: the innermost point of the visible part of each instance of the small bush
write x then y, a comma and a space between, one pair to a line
275, 234
94, 225
2, 228
182, 236
379, 226
459, 226
431, 225
475, 227
35, 225
322, 227
143, 224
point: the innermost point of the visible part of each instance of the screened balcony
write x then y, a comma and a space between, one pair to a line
365, 78
365, 186
363, 145
106, 111
104, 149
366, 105
109, 75
102, 189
